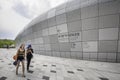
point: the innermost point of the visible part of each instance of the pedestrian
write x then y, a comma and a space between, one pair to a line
21, 58
7, 46
29, 56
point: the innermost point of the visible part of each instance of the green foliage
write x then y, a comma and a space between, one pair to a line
6, 42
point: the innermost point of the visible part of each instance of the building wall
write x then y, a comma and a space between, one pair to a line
78, 29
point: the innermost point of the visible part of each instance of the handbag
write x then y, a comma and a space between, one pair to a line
15, 57
15, 63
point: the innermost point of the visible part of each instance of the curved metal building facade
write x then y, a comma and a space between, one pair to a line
78, 29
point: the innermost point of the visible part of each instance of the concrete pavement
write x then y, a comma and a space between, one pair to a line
55, 68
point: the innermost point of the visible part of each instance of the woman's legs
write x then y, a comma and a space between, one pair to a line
23, 68
17, 67
28, 63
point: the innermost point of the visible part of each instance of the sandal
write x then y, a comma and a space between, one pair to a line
23, 76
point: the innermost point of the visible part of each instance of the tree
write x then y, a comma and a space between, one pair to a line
6, 42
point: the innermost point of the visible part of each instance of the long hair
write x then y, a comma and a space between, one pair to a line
21, 48
21, 45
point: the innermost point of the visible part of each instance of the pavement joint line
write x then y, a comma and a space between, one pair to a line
100, 70
45, 77
3, 78
53, 71
102, 78
80, 70
70, 72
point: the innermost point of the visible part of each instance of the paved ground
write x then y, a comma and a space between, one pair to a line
54, 68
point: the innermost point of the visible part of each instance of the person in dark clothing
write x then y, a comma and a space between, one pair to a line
7, 46
29, 56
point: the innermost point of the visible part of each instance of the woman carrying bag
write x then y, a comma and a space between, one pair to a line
20, 58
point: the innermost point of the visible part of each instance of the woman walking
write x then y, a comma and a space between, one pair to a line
20, 58
29, 56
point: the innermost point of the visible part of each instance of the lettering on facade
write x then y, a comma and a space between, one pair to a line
69, 35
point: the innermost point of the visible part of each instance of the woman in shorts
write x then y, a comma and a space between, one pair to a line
20, 58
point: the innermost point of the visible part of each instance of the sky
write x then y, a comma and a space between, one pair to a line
16, 14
